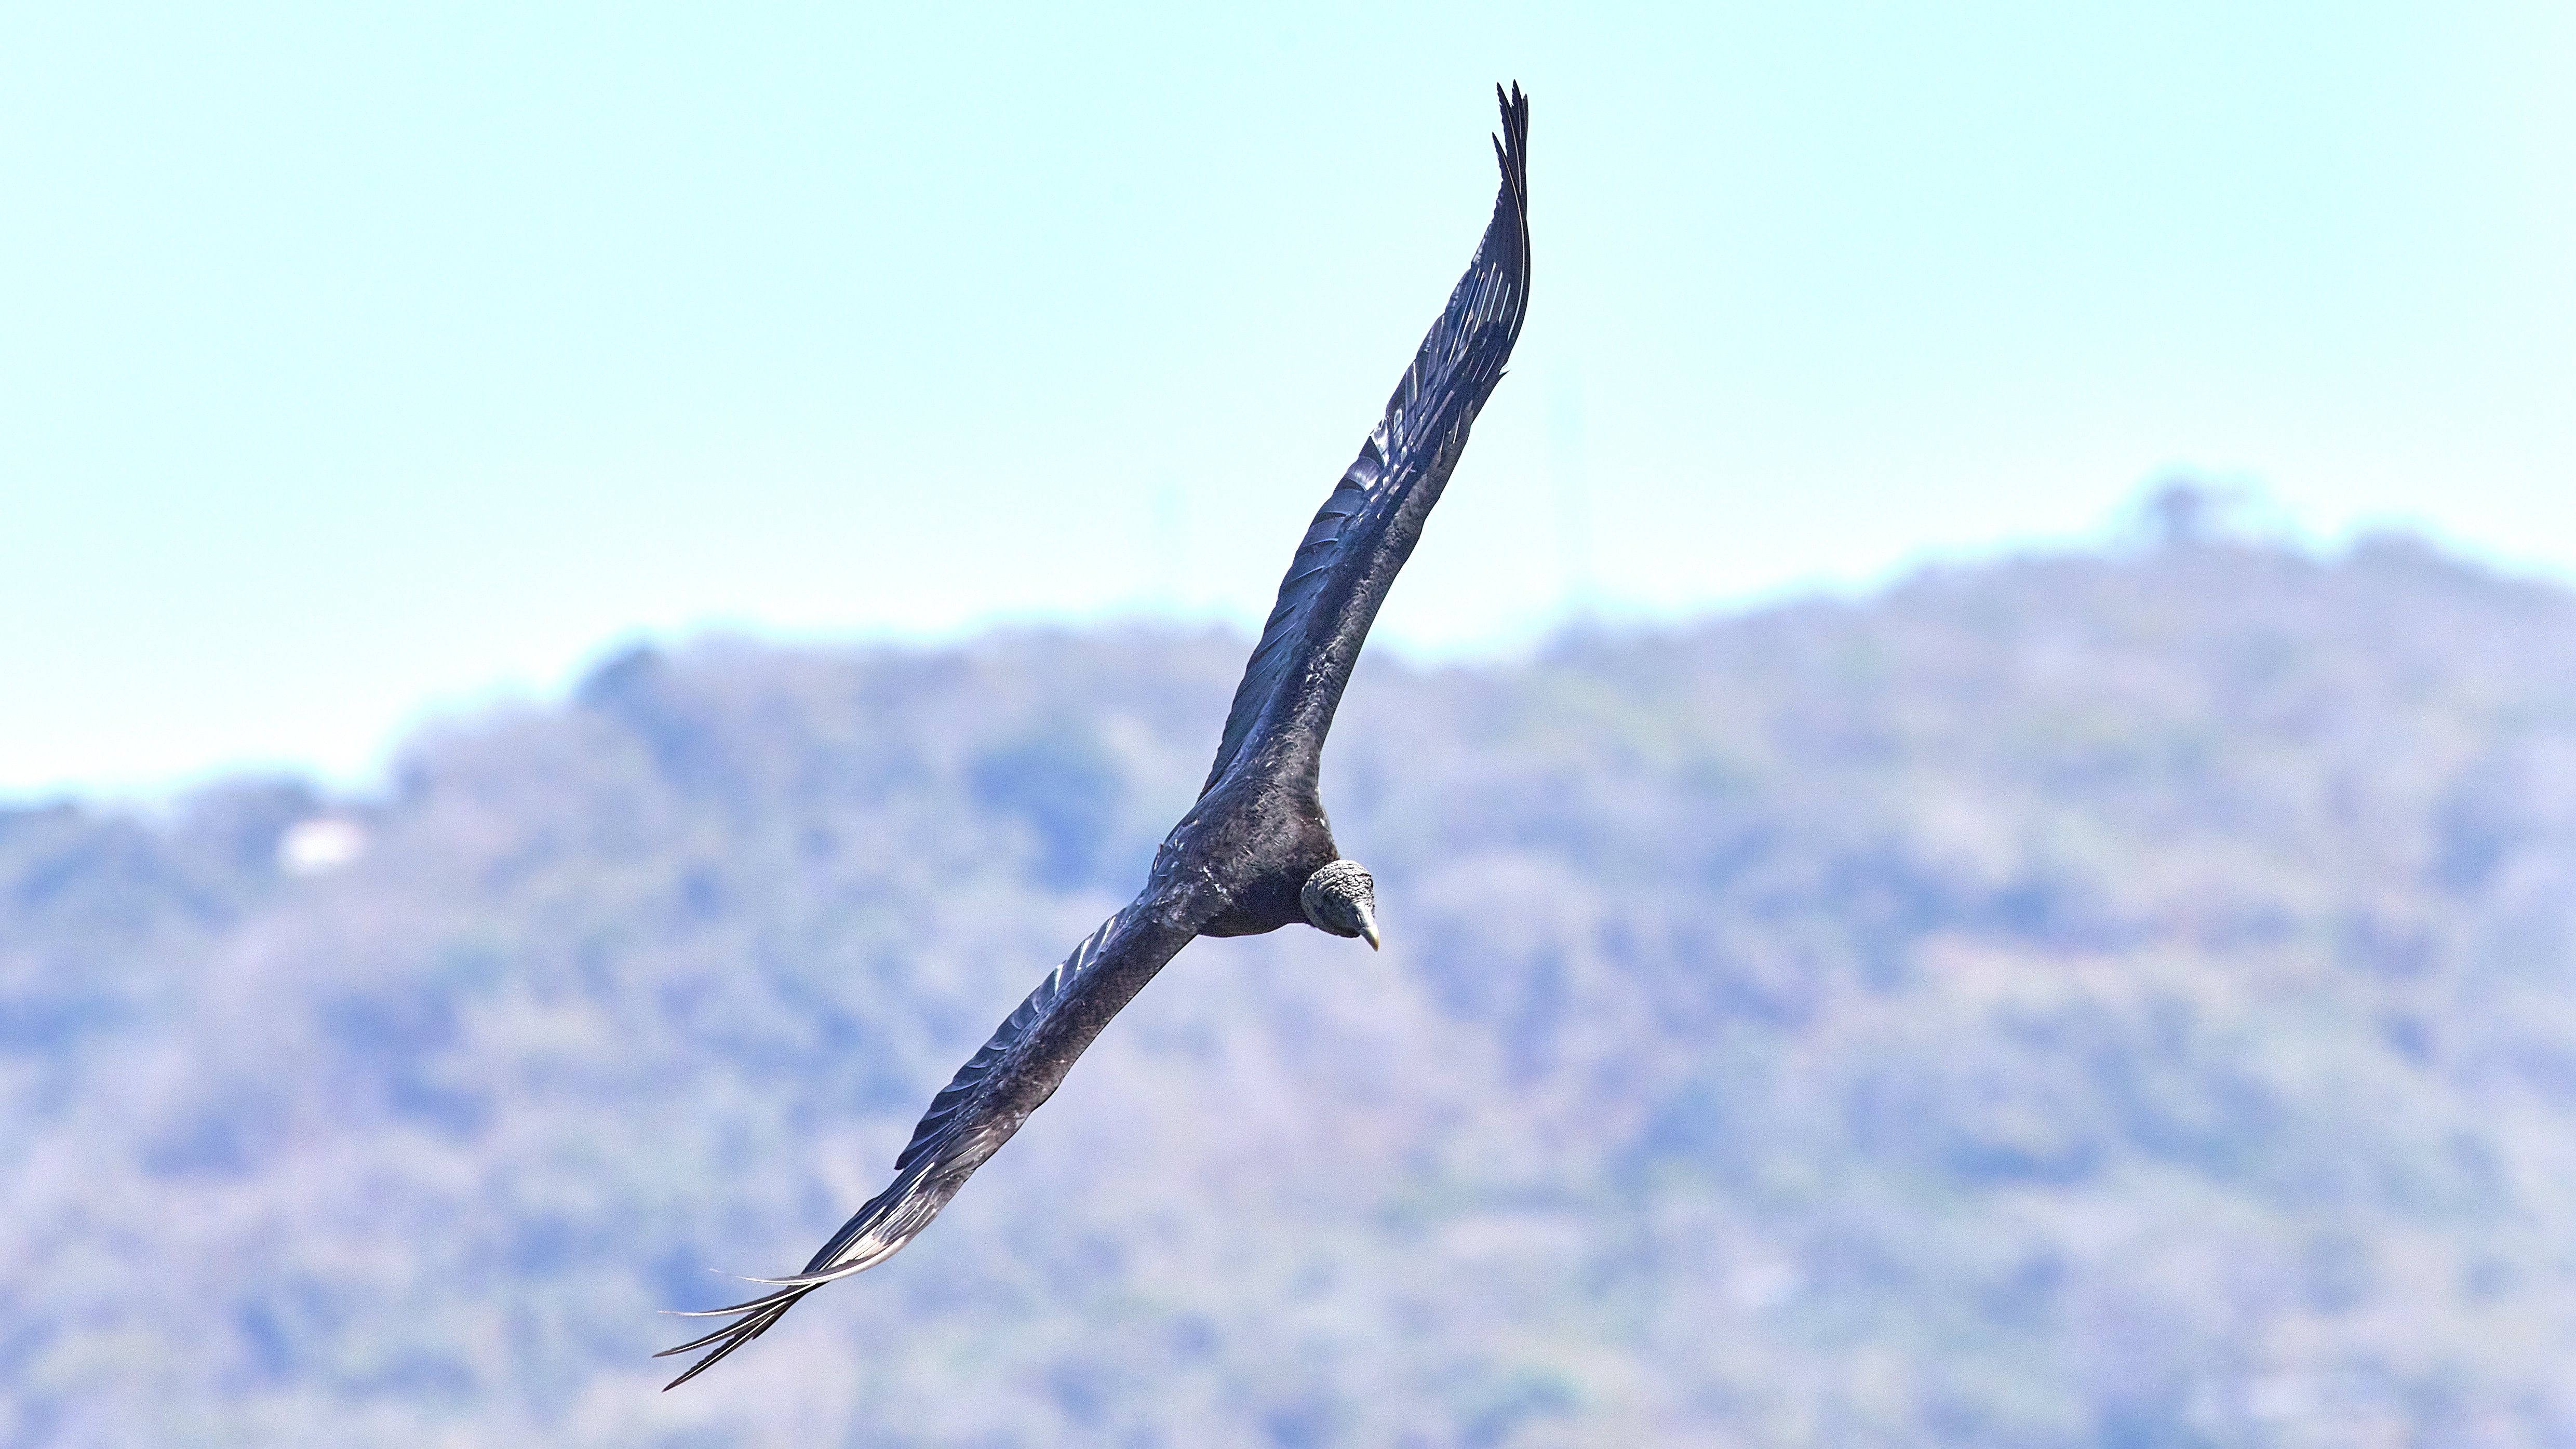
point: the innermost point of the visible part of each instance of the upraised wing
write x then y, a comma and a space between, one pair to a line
1367, 528
1007, 1079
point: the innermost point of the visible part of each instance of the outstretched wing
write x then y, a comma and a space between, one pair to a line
1367, 528
970, 1119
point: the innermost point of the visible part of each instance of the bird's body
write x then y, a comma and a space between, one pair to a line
1255, 852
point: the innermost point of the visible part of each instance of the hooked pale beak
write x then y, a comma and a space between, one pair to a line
1368, 928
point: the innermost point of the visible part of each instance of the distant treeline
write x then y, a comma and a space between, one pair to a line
2120, 999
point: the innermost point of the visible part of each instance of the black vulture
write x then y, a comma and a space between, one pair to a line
1255, 852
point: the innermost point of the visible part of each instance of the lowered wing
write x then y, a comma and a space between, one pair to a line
970, 1119
1367, 528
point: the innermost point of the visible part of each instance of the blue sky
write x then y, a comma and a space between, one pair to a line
362, 363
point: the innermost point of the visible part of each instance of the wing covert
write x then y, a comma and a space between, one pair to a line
1368, 525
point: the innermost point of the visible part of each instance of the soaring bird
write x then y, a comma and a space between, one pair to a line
1255, 852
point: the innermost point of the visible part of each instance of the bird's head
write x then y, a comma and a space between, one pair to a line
1341, 900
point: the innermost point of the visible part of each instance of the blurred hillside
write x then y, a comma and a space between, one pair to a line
2107, 999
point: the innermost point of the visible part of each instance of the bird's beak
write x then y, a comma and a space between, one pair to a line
1368, 929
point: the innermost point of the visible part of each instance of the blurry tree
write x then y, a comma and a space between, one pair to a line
2122, 1000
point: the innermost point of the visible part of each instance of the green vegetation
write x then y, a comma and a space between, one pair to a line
2123, 1000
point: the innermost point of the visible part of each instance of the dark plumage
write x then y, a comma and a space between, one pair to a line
1255, 853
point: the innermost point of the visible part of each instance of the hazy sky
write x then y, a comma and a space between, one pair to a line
357, 362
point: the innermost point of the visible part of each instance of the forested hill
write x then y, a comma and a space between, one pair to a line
2123, 1000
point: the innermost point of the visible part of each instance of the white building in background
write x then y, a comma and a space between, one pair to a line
320, 845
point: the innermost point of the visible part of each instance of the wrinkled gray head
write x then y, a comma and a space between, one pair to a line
1341, 900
